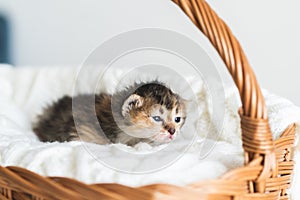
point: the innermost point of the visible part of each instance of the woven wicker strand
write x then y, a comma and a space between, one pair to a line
268, 164
257, 137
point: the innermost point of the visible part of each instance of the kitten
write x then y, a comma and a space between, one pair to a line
145, 112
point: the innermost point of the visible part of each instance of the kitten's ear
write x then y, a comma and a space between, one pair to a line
133, 100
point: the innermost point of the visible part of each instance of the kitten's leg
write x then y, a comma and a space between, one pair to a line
88, 134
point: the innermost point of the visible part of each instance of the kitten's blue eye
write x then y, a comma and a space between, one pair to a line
157, 118
177, 119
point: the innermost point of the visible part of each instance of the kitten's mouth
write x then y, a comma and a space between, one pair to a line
163, 138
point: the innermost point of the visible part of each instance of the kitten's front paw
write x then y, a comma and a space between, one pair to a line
141, 146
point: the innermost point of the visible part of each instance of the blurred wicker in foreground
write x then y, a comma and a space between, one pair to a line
268, 165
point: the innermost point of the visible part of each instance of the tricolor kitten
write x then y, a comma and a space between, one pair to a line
145, 112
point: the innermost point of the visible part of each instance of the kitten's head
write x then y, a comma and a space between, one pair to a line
154, 112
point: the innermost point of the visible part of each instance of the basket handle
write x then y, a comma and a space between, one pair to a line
256, 134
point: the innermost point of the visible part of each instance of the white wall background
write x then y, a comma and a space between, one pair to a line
57, 32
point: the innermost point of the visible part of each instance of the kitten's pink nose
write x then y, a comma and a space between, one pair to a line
171, 131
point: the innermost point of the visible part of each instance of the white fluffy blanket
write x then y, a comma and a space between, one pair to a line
25, 91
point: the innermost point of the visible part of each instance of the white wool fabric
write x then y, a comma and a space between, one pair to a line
24, 92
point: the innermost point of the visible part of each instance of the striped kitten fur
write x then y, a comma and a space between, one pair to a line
144, 112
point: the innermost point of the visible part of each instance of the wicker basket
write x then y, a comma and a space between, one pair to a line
268, 165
